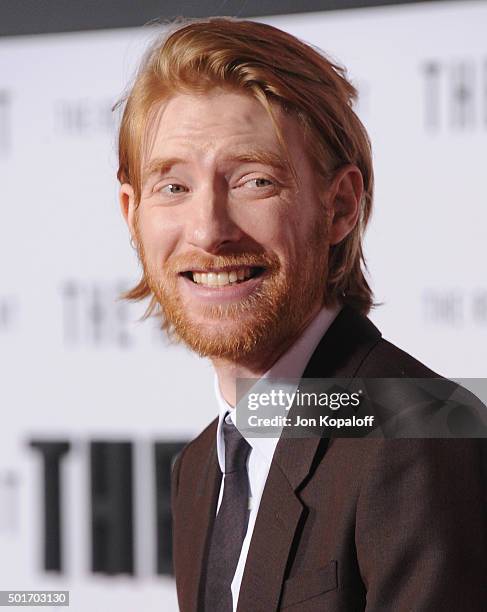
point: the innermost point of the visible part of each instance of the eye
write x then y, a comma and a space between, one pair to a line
173, 188
170, 189
256, 187
258, 183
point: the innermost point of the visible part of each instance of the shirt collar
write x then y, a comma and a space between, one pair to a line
291, 364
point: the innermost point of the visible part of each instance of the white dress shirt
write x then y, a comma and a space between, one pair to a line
290, 365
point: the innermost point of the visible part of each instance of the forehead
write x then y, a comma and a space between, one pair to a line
217, 124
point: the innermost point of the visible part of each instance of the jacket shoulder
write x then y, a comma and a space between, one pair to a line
386, 360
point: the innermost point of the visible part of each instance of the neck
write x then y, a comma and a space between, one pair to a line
254, 365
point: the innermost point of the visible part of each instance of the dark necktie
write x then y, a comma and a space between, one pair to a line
230, 523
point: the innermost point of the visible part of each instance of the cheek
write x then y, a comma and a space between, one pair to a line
267, 223
283, 230
158, 235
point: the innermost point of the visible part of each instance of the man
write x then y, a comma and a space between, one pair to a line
247, 186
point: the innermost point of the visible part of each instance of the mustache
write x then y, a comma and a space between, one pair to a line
200, 262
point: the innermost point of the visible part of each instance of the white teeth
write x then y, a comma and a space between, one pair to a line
212, 278
220, 279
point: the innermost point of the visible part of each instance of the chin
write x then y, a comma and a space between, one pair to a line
230, 340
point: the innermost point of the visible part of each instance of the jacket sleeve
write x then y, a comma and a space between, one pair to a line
421, 530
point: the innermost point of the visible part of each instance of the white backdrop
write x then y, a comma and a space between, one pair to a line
75, 363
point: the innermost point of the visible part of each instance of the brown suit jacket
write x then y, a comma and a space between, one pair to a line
347, 524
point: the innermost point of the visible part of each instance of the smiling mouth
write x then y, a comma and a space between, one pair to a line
223, 277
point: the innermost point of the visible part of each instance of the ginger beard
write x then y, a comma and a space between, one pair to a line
271, 315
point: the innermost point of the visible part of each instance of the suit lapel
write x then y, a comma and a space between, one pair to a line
277, 521
339, 354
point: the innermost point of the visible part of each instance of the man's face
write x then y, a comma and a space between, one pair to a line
234, 249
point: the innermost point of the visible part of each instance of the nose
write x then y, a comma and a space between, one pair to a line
211, 226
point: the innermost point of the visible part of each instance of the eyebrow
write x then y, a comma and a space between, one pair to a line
161, 165
266, 158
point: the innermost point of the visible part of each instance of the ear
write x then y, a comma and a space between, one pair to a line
343, 199
127, 205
